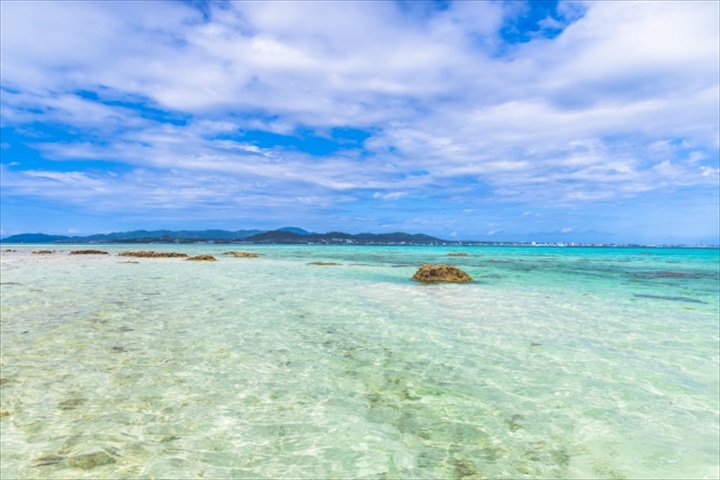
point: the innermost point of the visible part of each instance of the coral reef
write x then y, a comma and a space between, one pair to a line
201, 258
242, 254
151, 254
441, 273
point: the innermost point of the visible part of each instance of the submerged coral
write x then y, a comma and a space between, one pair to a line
441, 273
151, 254
89, 461
458, 254
324, 264
71, 403
47, 460
242, 254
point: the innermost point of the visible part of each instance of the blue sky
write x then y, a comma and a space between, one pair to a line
487, 120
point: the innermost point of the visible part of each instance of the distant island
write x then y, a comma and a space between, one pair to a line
293, 236
285, 235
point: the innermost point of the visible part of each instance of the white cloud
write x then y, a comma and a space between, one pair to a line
158, 191
623, 102
389, 196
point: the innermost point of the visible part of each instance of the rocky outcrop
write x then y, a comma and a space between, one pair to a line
324, 264
458, 254
201, 258
151, 254
242, 254
430, 273
43, 252
88, 252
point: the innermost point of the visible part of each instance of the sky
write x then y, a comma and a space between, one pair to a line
475, 120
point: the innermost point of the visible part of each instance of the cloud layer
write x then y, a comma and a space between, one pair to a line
365, 116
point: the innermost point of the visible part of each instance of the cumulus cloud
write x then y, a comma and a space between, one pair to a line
603, 102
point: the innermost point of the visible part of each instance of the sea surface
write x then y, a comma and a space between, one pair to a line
557, 363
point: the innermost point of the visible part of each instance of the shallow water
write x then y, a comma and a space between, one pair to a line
556, 363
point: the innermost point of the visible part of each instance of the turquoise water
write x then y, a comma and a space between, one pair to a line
556, 363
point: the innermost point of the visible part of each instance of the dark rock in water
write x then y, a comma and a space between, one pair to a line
667, 274
43, 252
201, 258
47, 460
242, 254
514, 423
89, 461
458, 254
671, 298
463, 469
324, 264
71, 404
441, 273
6, 412
88, 252
151, 254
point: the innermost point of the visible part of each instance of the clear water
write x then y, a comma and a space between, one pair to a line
557, 363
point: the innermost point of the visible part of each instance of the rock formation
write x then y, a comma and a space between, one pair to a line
201, 258
441, 273
242, 254
88, 252
151, 254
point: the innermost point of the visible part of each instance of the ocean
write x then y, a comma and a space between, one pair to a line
556, 363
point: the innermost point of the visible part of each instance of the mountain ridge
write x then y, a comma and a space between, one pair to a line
284, 235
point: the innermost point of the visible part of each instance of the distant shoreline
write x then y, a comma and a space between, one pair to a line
296, 236
571, 245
